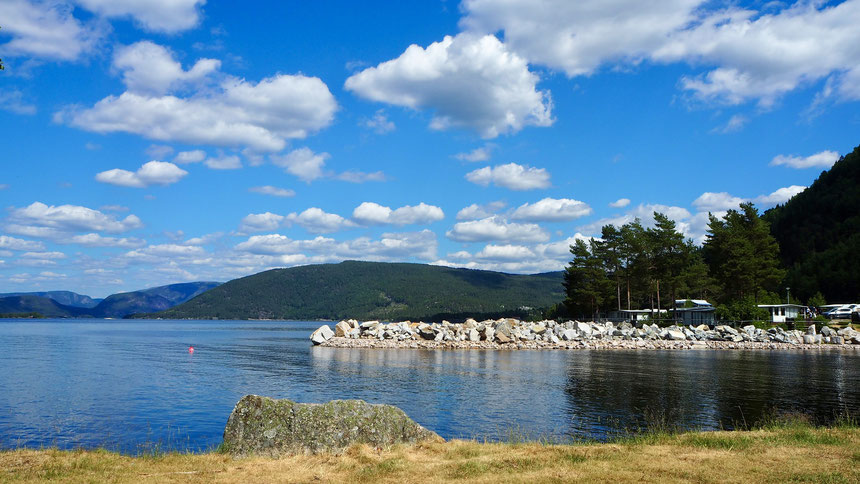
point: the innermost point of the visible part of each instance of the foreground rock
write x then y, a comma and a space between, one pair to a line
261, 425
509, 333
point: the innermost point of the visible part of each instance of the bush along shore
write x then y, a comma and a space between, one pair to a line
515, 334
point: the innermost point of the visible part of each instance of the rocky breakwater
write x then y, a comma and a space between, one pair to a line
515, 334
265, 426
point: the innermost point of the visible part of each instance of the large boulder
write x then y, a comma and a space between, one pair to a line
342, 329
503, 328
262, 425
322, 334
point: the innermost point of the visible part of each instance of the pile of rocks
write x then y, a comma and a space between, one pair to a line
513, 333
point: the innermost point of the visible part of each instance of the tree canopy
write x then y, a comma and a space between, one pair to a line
634, 267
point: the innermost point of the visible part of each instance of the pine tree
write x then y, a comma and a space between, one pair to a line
585, 280
742, 254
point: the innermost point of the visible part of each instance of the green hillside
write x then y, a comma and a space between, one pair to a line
373, 290
819, 234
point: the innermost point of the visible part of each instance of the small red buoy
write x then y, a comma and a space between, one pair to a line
191, 349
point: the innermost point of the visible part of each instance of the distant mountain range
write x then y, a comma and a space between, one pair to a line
66, 298
373, 290
114, 306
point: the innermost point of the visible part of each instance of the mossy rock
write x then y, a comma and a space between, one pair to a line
262, 425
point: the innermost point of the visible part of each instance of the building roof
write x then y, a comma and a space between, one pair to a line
697, 302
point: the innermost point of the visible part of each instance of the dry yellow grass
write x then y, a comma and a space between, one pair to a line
798, 454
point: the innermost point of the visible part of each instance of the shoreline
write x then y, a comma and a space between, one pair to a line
510, 334
596, 345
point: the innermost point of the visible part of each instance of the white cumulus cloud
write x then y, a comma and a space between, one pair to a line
12, 243
552, 210
154, 15
193, 156
303, 163
96, 240
467, 81
482, 153
779, 196
620, 203
751, 54
237, 113
512, 176
318, 221
43, 220
45, 29
151, 173
370, 213
273, 191
713, 202
823, 159
150, 68
476, 211
260, 222
496, 229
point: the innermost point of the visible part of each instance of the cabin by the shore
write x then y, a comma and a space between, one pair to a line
780, 313
638, 315
695, 312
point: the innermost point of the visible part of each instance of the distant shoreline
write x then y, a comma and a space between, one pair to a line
605, 345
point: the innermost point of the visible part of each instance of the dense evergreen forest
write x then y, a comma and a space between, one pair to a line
811, 245
819, 234
374, 290
633, 267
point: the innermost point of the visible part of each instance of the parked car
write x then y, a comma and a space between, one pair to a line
842, 312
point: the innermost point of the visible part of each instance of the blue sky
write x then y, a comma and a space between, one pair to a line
190, 140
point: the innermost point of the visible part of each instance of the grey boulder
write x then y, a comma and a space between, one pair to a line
261, 425
322, 334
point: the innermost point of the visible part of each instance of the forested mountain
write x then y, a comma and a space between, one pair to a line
114, 306
150, 300
819, 234
373, 290
42, 305
66, 298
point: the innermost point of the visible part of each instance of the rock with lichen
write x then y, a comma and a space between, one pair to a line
262, 425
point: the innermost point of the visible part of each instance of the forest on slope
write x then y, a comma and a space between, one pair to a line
374, 290
819, 234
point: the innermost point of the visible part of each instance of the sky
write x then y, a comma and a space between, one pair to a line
149, 143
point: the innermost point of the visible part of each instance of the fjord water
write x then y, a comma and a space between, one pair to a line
133, 385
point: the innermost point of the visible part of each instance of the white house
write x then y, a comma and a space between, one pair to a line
780, 313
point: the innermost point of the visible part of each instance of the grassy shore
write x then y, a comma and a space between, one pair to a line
786, 452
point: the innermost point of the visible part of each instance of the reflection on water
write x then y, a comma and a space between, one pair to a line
128, 384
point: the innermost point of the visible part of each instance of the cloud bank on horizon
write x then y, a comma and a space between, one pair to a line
175, 140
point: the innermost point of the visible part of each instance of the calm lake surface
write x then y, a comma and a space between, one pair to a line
132, 385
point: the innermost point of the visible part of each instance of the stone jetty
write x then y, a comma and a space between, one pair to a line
512, 334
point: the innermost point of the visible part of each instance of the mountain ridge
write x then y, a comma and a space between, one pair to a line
114, 306
373, 290
66, 298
